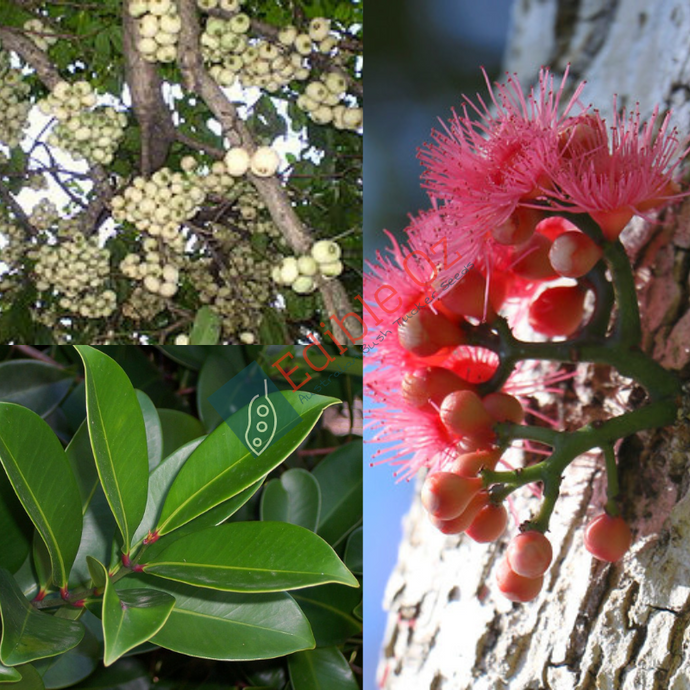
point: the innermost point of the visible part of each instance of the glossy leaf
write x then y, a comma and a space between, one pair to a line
206, 328
96, 571
131, 617
125, 674
179, 428
215, 373
42, 563
294, 498
96, 539
78, 663
251, 557
227, 625
27, 633
30, 679
118, 439
160, 481
36, 385
83, 465
192, 356
353, 552
9, 674
359, 610
42, 479
16, 528
321, 669
215, 516
221, 466
154, 430
329, 610
340, 478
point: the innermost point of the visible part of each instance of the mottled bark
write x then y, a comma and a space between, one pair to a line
595, 625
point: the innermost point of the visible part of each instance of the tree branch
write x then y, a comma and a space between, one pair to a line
145, 86
31, 54
17, 210
197, 79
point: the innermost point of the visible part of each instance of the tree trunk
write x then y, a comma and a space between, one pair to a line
595, 625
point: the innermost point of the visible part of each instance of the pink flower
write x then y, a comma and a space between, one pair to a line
613, 180
482, 170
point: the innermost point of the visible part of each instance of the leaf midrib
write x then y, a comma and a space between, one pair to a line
58, 554
99, 420
182, 505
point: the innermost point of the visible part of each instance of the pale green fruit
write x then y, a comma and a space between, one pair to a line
331, 269
303, 285
289, 271
325, 251
307, 266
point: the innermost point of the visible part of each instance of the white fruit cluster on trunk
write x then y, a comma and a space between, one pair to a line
595, 626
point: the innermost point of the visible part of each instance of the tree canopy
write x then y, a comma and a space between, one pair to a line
180, 170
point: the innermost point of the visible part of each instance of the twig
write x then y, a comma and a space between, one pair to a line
37, 354
17, 210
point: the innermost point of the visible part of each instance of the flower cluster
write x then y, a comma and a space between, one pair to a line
529, 195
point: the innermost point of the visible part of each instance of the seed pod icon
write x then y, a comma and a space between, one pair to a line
261, 431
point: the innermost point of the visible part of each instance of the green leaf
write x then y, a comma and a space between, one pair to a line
227, 625
294, 498
178, 428
125, 674
42, 479
206, 328
251, 557
96, 540
98, 577
215, 516
359, 610
329, 610
118, 439
340, 478
353, 552
160, 481
42, 562
16, 528
154, 430
29, 634
130, 617
192, 356
36, 385
215, 373
30, 679
222, 466
9, 674
321, 669
83, 465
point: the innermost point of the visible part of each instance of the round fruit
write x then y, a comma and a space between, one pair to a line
558, 311
608, 538
237, 161
445, 495
462, 413
573, 254
529, 554
325, 251
427, 387
516, 587
264, 162
503, 407
425, 333
489, 524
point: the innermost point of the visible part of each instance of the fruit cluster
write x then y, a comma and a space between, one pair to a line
41, 35
85, 134
271, 63
263, 162
159, 27
300, 273
158, 278
160, 205
44, 214
77, 270
534, 201
14, 102
323, 101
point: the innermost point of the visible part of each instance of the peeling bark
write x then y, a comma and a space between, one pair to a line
595, 626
